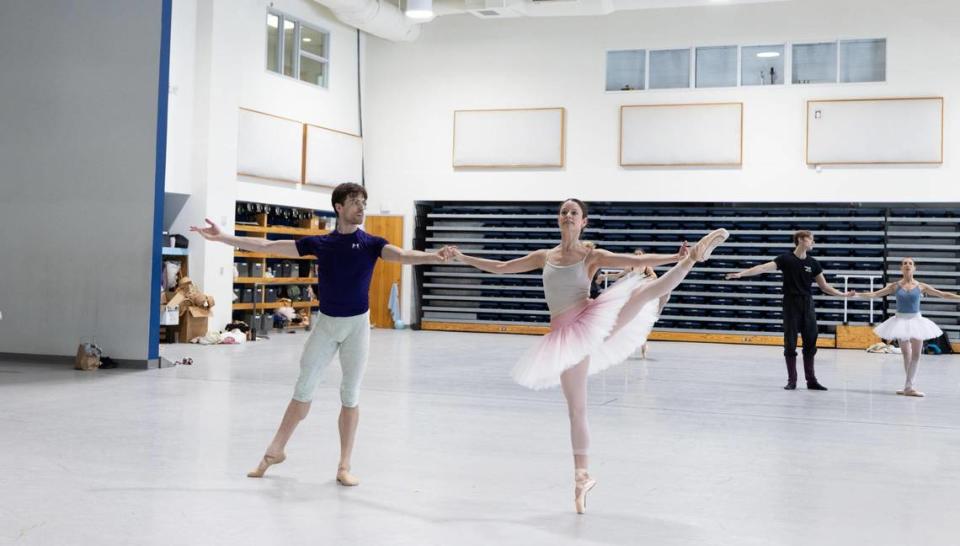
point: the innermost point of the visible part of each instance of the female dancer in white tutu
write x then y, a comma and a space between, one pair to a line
908, 325
587, 336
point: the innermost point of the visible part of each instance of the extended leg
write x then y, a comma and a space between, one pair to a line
317, 354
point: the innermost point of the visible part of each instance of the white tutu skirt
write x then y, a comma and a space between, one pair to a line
587, 330
908, 326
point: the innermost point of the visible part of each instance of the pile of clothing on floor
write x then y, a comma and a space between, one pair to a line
233, 334
882, 347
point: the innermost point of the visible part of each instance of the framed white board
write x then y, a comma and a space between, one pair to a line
269, 146
332, 157
677, 135
518, 137
875, 131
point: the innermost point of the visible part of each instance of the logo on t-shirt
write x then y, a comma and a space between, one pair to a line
808, 269
355, 245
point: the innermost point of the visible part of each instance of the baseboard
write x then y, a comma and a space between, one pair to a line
65, 360
36, 359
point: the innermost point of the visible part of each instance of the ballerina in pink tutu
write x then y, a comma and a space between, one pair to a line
587, 336
908, 325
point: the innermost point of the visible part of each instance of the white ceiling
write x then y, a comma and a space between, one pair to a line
568, 8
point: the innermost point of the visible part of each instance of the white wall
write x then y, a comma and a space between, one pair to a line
226, 69
412, 89
180, 100
78, 118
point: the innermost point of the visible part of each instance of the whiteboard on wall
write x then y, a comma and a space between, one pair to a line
875, 131
332, 157
519, 137
674, 135
269, 146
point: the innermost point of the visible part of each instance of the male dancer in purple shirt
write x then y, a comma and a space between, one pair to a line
345, 259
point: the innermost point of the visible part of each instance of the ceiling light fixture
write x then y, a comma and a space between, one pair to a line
419, 9
768, 54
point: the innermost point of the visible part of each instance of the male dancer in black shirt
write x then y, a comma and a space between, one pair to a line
799, 271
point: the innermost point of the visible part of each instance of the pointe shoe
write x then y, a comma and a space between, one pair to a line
584, 483
265, 463
344, 477
704, 248
913, 392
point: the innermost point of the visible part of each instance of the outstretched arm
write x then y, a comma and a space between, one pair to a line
755, 270
605, 258
927, 289
827, 289
534, 260
212, 232
393, 253
885, 291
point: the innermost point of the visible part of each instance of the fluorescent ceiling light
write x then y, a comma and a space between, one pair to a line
419, 14
768, 54
308, 40
419, 9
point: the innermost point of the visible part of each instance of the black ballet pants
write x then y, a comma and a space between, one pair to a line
799, 317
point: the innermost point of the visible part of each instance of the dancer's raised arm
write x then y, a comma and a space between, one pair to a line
755, 270
828, 288
534, 260
885, 291
605, 258
213, 232
929, 290
392, 253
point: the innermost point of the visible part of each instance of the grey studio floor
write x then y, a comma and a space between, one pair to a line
696, 445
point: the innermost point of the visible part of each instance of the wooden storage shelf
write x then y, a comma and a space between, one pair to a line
283, 230
273, 305
274, 280
262, 229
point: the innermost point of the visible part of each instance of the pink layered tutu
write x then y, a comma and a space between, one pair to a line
587, 330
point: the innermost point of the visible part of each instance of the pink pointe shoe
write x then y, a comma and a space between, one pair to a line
584, 483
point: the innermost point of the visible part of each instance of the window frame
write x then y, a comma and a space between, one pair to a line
643, 74
298, 52
786, 76
841, 58
836, 62
695, 83
691, 67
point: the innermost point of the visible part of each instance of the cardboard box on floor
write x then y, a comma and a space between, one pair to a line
193, 318
193, 322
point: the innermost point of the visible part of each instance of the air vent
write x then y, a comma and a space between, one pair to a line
491, 8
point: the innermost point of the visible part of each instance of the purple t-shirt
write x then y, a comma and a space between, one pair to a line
345, 267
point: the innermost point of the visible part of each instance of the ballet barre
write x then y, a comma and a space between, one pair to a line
846, 288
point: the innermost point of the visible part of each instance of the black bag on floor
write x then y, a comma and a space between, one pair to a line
939, 346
